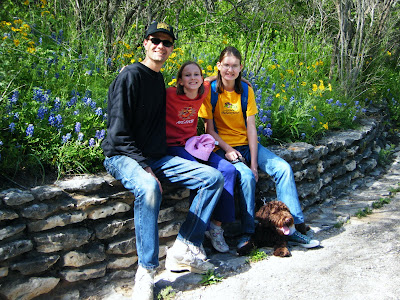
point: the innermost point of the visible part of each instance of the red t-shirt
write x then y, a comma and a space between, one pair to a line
182, 115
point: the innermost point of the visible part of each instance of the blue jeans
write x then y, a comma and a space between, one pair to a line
282, 174
192, 175
224, 211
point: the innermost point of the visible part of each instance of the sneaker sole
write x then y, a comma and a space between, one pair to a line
174, 266
313, 244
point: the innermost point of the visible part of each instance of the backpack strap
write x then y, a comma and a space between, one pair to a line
243, 99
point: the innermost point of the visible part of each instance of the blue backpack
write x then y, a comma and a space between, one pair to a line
243, 98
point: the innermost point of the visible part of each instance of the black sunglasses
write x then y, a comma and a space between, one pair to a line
166, 43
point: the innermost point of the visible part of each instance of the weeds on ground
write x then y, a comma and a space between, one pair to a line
210, 278
257, 255
168, 293
363, 212
385, 155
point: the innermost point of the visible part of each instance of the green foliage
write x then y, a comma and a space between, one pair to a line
167, 293
385, 155
257, 255
57, 64
210, 278
380, 203
361, 213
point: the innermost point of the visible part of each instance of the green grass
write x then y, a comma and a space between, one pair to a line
257, 255
168, 293
210, 278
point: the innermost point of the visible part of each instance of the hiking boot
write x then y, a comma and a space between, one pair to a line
302, 240
216, 235
183, 259
144, 284
199, 252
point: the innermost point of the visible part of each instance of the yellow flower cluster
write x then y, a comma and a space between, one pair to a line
18, 33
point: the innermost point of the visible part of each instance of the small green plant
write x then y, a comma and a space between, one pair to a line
393, 191
257, 255
363, 212
210, 278
168, 293
380, 203
339, 224
385, 155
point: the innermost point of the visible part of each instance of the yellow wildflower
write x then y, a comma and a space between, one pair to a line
388, 53
314, 87
273, 67
26, 2
162, 69
301, 63
18, 21
329, 87
303, 83
173, 55
16, 43
30, 50
277, 95
172, 82
200, 61
284, 98
325, 126
315, 107
209, 68
291, 72
281, 75
139, 59
132, 60
215, 69
321, 85
225, 42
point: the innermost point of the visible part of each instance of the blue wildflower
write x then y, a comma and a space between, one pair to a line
303, 136
14, 97
12, 127
41, 112
281, 108
30, 130
99, 111
91, 142
77, 127
66, 138
273, 87
80, 136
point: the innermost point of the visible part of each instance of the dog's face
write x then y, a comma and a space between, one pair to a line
277, 215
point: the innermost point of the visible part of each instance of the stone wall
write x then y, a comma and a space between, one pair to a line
82, 227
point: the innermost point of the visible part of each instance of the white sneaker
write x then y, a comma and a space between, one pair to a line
199, 252
216, 235
144, 284
183, 259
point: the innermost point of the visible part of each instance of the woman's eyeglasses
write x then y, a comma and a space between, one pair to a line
166, 43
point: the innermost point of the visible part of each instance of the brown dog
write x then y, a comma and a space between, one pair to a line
272, 230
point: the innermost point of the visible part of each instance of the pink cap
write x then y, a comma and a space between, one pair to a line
200, 146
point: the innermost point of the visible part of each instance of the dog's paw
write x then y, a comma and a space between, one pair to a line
282, 252
246, 248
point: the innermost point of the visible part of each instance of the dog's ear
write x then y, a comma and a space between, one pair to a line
262, 215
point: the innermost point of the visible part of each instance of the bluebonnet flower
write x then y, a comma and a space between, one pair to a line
12, 127
72, 101
77, 127
264, 119
273, 87
354, 118
363, 110
39, 95
105, 117
321, 114
356, 103
66, 138
80, 136
338, 103
40, 40
267, 80
292, 98
14, 97
16, 116
91, 142
1, 143
76, 112
303, 136
281, 108
62, 68
100, 134
57, 75
89, 72
41, 112
260, 112
329, 101
259, 129
57, 104
99, 111
109, 61
30, 130
267, 131
71, 72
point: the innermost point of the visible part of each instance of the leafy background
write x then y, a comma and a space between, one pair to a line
314, 66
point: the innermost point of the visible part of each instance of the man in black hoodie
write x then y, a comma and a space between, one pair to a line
135, 150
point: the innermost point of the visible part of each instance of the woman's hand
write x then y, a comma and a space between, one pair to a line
149, 170
232, 154
255, 172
